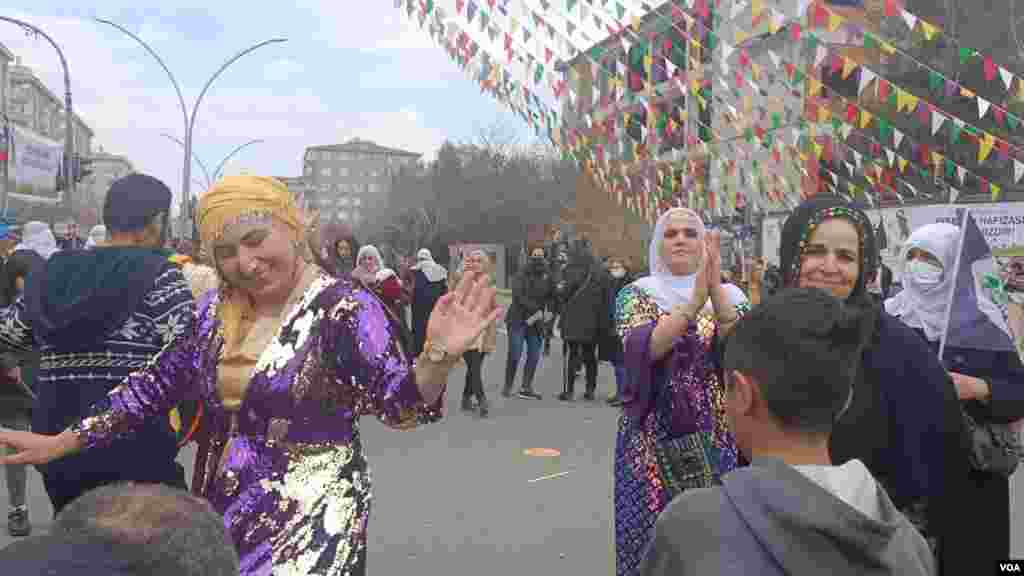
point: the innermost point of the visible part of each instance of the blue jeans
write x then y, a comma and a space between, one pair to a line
517, 335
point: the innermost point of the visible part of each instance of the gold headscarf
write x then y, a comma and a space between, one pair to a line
230, 201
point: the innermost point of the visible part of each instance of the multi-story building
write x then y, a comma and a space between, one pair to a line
344, 179
106, 169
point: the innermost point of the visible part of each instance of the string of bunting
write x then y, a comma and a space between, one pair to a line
903, 98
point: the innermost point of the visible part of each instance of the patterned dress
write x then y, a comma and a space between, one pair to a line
286, 469
672, 432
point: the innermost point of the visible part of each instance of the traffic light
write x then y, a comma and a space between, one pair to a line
82, 167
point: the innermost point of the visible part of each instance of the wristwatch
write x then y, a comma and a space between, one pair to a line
435, 352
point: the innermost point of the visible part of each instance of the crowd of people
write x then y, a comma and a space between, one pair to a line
800, 422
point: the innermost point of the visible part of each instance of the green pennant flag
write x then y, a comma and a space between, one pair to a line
935, 81
538, 75
965, 54
570, 4
710, 41
767, 141
950, 168
621, 10
1012, 121
430, 6
870, 41
748, 135
892, 99
776, 120
837, 125
812, 42
884, 129
798, 76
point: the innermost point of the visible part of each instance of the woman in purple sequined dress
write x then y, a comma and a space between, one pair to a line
286, 359
672, 432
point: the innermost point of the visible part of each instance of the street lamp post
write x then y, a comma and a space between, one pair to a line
206, 171
189, 119
212, 177
69, 131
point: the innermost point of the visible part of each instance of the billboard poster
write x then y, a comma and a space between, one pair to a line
36, 163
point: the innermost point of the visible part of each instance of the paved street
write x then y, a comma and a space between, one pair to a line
461, 497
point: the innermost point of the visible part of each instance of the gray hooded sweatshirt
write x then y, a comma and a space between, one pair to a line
771, 519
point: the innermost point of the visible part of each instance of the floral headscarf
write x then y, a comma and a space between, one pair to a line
800, 226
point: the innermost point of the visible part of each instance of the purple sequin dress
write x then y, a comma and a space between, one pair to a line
672, 432
287, 470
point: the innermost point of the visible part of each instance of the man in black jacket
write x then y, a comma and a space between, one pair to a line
531, 298
584, 320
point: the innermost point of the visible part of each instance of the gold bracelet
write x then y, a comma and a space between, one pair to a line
732, 320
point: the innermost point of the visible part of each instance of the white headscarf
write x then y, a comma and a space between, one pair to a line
669, 290
97, 236
924, 307
432, 270
361, 273
37, 237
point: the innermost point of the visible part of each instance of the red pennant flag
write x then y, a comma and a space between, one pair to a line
459, 4
990, 69
790, 70
1003, 146
508, 41
794, 31
883, 89
1000, 115
892, 9
744, 58
924, 113
926, 158
547, 55
821, 15
851, 113
837, 63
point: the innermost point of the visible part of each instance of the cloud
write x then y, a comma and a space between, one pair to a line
282, 70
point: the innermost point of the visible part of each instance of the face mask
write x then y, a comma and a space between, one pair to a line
618, 273
924, 273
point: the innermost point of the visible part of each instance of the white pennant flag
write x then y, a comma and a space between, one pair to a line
775, 58
846, 129
849, 167
802, 8
820, 57
953, 195
727, 50
858, 157
891, 155
961, 173
897, 138
866, 76
910, 19
737, 8
1018, 170
1007, 77
982, 107
835, 177
670, 67
937, 120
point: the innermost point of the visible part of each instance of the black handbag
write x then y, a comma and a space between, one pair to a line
994, 448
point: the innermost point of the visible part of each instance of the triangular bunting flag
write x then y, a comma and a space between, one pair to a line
1007, 77
910, 19
937, 120
866, 76
902, 163
982, 107
953, 195
961, 173
985, 144
891, 155
897, 138
1018, 170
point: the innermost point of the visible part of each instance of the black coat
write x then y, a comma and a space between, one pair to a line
585, 316
532, 291
611, 345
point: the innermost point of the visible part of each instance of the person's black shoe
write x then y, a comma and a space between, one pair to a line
566, 397
485, 407
506, 391
529, 394
18, 525
467, 404
615, 401
589, 396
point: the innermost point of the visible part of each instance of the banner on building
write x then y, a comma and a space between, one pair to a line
36, 165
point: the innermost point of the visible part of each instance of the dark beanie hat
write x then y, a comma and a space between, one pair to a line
132, 202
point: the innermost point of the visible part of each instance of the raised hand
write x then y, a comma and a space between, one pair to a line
713, 252
33, 448
461, 316
701, 287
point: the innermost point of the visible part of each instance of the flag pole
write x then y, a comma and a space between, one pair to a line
956, 275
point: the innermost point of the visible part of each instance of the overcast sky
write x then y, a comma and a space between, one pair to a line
351, 68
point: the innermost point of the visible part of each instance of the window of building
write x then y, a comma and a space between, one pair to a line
373, 187
343, 201
343, 214
357, 201
325, 172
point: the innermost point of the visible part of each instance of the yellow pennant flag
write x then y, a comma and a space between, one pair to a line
817, 150
748, 103
937, 160
741, 35
995, 191
902, 162
834, 21
813, 85
928, 29
901, 100
889, 49
824, 114
648, 63
967, 93
865, 118
757, 70
755, 8
849, 65
636, 23
985, 146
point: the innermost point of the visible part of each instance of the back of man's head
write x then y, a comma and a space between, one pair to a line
134, 202
168, 530
803, 349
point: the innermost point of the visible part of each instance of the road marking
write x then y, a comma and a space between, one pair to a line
542, 452
549, 476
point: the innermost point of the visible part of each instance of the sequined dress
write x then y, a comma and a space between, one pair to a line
286, 469
672, 432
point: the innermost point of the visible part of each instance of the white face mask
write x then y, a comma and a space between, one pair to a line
924, 273
618, 273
